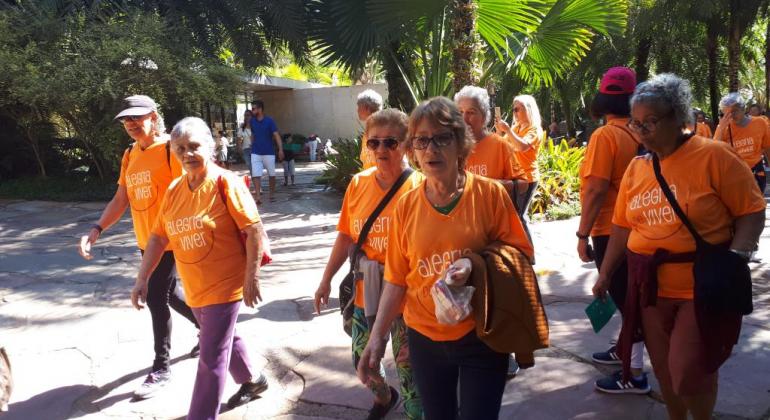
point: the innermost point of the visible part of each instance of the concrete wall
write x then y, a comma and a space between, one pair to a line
329, 112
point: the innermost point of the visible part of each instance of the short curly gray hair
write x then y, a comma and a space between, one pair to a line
668, 90
370, 99
479, 95
733, 99
194, 127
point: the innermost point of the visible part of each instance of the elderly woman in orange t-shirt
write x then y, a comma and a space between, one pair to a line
451, 213
202, 217
386, 135
715, 190
525, 137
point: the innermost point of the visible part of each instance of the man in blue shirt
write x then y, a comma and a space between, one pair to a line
265, 141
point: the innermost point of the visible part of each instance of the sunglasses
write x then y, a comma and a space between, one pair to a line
389, 143
517, 109
440, 140
132, 118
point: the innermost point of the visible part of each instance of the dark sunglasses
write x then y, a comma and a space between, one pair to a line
440, 140
132, 118
389, 143
517, 109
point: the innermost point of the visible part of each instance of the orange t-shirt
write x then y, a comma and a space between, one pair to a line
204, 234
146, 175
611, 149
702, 129
712, 186
367, 157
361, 198
424, 242
493, 157
748, 141
528, 159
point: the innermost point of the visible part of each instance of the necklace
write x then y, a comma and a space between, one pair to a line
455, 194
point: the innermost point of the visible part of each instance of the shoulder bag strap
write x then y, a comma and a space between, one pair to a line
380, 207
168, 153
672, 200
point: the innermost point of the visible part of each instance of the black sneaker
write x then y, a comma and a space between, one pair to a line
379, 411
152, 384
248, 392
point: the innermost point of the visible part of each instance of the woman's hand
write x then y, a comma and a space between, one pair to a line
322, 295
502, 127
601, 287
726, 118
251, 293
86, 242
459, 272
369, 364
584, 250
139, 294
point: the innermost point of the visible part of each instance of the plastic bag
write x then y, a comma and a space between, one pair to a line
453, 303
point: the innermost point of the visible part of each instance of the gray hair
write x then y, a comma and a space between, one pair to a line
159, 126
666, 89
733, 99
194, 127
370, 99
479, 95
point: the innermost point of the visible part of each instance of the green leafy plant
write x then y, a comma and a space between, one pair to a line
558, 192
341, 166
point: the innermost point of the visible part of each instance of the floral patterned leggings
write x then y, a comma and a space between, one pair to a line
412, 404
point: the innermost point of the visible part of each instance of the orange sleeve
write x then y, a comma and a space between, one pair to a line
718, 133
600, 155
123, 168
510, 230
240, 203
511, 167
157, 226
531, 137
343, 226
736, 185
619, 215
766, 136
396, 260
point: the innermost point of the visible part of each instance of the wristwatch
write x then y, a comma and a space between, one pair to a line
97, 227
581, 236
746, 255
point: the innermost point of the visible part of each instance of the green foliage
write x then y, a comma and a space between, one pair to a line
71, 188
558, 190
341, 166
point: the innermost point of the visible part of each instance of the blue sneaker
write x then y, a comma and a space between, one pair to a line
614, 384
609, 357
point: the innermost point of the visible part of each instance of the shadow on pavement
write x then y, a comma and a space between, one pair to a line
53, 404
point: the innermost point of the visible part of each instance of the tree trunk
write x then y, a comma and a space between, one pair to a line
36, 150
462, 24
566, 107
733, 47
398, 92
642, 59
712, 34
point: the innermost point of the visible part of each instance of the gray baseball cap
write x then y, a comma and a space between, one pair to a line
136, 105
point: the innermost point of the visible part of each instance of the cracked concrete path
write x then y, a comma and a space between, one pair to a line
79, 349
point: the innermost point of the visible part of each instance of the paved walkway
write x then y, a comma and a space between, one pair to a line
79, 349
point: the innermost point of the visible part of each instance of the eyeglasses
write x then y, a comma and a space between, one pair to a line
517, 109
440, 140
133, 118
647, 126
389, 143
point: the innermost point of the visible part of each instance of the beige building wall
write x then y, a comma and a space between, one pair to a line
329, 112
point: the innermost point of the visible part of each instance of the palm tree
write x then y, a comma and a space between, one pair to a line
539, 40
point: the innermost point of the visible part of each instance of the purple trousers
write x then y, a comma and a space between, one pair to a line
221, 350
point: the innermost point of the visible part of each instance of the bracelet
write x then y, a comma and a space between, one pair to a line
98, 228
581, 236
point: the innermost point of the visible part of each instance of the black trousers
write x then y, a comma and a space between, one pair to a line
619, 279
439, 366
162, 293
759, 174
521, 200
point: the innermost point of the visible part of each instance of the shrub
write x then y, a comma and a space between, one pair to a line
341, 166
558, 192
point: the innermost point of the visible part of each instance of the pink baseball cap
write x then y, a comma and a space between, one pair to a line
618, 81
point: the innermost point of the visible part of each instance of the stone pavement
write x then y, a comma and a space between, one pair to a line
79, 349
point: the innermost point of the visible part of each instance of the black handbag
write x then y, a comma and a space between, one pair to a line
347, 290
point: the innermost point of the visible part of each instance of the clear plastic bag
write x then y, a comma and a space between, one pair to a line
453, 303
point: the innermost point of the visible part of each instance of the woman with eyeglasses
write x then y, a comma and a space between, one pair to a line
146, 170
451, 213
386, 137
525, 137
749, 136
715, 189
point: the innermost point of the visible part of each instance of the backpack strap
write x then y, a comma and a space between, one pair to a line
168, 154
